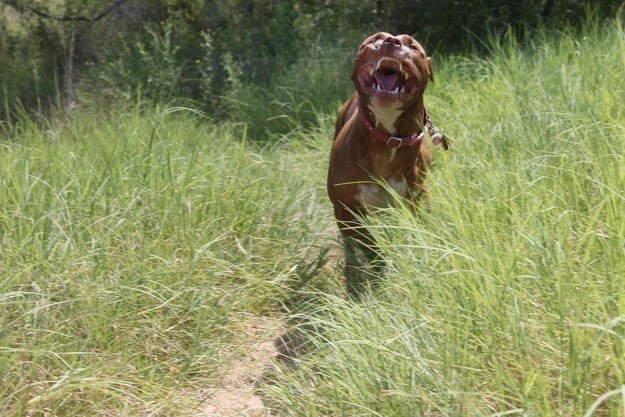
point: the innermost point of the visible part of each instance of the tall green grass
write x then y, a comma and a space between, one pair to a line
130, 246
133, 242
505, 293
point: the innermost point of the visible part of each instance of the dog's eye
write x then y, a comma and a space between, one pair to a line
373, 40
413, 46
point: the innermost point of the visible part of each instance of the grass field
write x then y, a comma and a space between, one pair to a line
129, 245
133, 243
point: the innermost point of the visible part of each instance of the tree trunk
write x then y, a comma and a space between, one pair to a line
69, 95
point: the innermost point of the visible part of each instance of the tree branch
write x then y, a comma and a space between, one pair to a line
46, 15
59, 18
108, 10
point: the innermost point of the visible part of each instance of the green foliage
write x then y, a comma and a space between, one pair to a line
159, 50
27, 74
301, 95
147, 68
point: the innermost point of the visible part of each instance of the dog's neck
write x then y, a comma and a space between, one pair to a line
385, 116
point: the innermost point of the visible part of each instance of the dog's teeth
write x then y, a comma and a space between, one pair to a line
406, 75
371, 72
402, 90
400, 67
396, 90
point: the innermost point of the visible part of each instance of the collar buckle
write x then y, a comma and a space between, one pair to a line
394, 142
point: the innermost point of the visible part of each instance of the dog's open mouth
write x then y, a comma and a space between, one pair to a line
386, 77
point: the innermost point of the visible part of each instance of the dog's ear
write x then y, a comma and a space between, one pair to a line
430, 72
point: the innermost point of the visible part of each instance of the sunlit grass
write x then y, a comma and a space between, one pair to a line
505, 292
129, 243
133, 240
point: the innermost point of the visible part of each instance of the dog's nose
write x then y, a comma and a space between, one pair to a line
392, 40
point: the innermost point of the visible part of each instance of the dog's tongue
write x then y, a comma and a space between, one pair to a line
387, 81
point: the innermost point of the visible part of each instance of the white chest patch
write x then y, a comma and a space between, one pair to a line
399, 185
386, 116
370, 194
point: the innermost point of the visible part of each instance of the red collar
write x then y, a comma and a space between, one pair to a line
392, 141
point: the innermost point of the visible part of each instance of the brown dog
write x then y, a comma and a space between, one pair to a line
380, 134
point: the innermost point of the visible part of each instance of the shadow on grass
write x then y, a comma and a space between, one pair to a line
355, 276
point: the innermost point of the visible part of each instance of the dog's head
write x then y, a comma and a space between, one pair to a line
391, 70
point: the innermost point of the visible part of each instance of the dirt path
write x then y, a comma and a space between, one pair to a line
235, 396
252, 354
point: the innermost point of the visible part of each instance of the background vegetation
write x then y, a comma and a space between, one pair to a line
147, 212
225, 57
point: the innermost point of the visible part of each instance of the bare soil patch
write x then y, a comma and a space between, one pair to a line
234, 394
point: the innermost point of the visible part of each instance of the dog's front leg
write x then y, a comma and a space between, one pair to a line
364, 264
